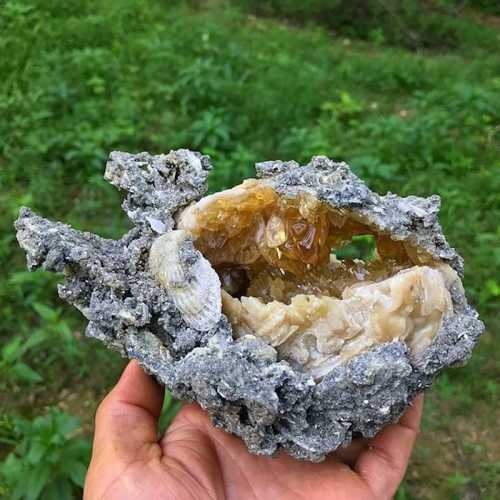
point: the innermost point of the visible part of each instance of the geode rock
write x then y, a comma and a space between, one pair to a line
238, 301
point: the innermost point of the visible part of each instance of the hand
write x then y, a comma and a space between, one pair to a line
194, 460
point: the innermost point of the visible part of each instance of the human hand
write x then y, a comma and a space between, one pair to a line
194, 460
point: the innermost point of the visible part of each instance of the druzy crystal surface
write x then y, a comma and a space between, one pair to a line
239, 301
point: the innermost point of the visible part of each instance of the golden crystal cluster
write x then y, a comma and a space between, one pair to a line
251, 225
281, 281
285, 243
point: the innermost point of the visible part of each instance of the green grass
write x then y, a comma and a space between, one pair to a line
79, 79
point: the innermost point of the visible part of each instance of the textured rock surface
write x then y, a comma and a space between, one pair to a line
270, 404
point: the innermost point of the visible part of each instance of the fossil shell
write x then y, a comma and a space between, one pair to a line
189, 279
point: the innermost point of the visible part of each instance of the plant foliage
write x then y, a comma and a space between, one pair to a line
49, 459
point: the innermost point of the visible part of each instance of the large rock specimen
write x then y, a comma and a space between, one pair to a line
238, 302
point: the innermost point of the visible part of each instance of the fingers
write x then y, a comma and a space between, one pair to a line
383, 464
127, 418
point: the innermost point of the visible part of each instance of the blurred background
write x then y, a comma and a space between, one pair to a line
408, 92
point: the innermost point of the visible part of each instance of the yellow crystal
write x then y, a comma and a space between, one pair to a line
281, 281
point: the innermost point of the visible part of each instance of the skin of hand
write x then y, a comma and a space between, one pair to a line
194, 461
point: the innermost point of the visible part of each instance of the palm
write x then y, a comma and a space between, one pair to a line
224, 468
193, 460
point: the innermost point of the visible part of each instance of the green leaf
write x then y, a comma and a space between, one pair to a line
11, 468
20, 492
35, 339
78, 473
36, 452
493, 287
59, 489
45, 312
37, 479
25, 373
12, 350
67, 424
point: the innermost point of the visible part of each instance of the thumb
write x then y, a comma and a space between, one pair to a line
127, 418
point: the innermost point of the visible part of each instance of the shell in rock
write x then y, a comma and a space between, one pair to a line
189, 279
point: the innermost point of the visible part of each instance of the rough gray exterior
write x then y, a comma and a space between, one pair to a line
270, 404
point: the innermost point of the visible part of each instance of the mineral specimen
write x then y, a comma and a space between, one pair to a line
238, 301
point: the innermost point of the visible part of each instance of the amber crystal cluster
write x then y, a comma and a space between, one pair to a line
281, 281
251, 225
274, 247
